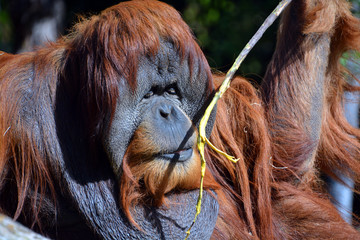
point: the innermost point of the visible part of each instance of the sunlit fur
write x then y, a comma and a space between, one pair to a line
258, 197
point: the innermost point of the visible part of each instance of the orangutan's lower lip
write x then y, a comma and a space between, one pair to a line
180, 156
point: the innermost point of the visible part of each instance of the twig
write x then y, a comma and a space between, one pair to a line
224, 86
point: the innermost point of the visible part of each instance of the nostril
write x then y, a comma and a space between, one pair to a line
164, 113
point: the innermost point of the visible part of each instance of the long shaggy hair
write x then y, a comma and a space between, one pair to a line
273, 192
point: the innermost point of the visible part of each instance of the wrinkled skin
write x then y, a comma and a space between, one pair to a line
168, 83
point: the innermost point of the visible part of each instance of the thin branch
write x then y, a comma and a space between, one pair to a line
202, 140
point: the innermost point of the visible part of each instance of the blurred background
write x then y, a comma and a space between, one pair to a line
222, 28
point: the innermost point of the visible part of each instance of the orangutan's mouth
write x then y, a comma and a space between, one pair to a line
180, 155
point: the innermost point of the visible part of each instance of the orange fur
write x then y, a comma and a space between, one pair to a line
276, 182
273, 192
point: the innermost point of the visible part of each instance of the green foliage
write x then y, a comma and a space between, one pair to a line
5, 30
223, 27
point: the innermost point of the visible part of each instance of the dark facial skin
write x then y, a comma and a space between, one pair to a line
169, 101
164, 85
